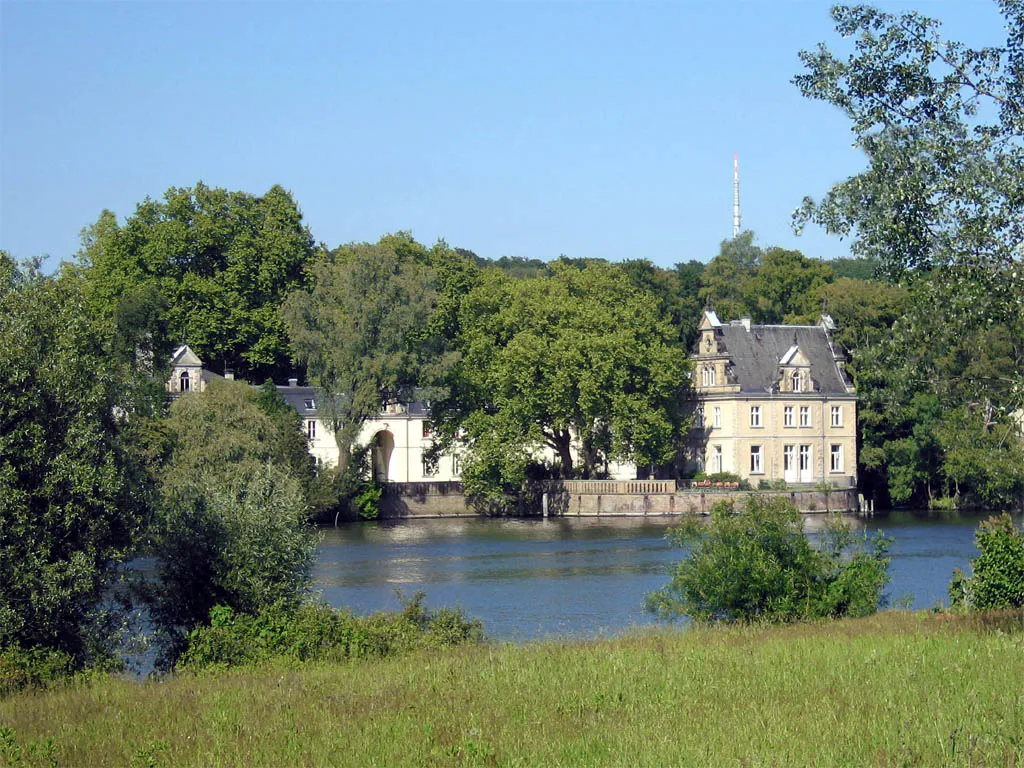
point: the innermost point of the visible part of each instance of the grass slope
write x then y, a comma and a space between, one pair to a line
893, 689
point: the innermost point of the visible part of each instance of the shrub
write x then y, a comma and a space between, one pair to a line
997, 580
315, 631
757, 564
367, 501
32, 668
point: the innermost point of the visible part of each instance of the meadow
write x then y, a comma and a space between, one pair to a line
897, 688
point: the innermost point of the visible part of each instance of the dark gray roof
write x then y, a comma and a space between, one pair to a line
755, 355
299, 398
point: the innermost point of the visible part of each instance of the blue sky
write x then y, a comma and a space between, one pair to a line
599, 129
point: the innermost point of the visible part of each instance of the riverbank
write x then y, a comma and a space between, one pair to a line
894, 689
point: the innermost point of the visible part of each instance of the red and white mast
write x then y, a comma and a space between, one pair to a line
735, 195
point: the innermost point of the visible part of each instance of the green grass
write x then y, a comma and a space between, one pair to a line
893, 689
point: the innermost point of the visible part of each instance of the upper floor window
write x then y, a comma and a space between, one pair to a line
756, 466
707, 376
185, 382
717, 416
456, 466
426, 429
805, 416
309, 404
796, 382
311, 429
787, 416
837, 416
755, 415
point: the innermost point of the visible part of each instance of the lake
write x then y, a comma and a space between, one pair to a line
578, 577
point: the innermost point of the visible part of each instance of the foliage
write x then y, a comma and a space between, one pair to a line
37, 667
757, 565
726, 280
315, 631
363, 329
579, 357
233, 524
997, 579
367, 501
206, 267
73, 494
784, 287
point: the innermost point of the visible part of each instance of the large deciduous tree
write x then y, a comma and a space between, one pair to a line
73, 497
939, 207
366, 330
207, 267
579, 359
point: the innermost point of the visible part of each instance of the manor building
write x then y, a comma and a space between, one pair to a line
773, 403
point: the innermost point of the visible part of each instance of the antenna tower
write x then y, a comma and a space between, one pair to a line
735, 195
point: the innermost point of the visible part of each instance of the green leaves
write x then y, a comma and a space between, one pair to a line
997, 580
757, 565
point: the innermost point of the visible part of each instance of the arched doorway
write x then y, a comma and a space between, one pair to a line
383, 447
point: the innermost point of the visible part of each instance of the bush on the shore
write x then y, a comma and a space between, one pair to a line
997, 579
757, 565
38, 667
315, 631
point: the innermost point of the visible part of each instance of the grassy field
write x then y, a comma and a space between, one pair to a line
894, 689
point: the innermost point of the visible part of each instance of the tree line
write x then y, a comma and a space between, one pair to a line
515, 356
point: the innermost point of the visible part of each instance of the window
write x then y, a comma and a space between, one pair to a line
805, 416
456, 467
796, 382
309, 404
717, 423
716, 458
837, 416
788, 458
755, 415
805, 458
756, 467
787, 416
699, 418
707, 376
836, 453
310, 430
429, 467
426, 429
185, 382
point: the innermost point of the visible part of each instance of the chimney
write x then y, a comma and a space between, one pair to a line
293, 382
746, 323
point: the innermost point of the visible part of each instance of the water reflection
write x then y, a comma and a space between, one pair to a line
578, 576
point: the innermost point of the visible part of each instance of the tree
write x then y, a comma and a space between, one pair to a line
211, 269
997, 579
364, 331
579, 357
785, 286
232, 527
73, 493
757, 565
726, 280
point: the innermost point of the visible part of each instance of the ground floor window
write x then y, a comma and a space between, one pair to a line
837, 458
756, 460
716, 459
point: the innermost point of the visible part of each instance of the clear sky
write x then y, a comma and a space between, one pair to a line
600, 129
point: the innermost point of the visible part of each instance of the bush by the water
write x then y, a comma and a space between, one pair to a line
758, 565
22, 668
315, 631
997, 579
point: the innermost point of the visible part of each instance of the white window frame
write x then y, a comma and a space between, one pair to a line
456, 466
755, 416
708, 376
716, 459
717, 416
756, 460
184, 382
787, 416
797, 379
836, 458
804, 459
429, 468
311, 429
805, 415
837, 416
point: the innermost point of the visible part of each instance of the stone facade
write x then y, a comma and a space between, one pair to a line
773, 403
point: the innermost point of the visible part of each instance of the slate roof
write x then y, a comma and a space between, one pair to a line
299, 397
756, 356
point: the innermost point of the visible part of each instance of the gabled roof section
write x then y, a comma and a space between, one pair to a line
756, 354
710, 320
794, 356
184, 356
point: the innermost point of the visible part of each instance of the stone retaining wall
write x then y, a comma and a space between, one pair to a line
604, 497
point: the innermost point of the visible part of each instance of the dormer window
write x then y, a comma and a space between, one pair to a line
184, 382
310, 404
796, 382
707, 376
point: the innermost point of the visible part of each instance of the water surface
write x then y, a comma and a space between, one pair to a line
578, 577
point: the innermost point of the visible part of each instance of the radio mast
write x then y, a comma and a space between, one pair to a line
735, 195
